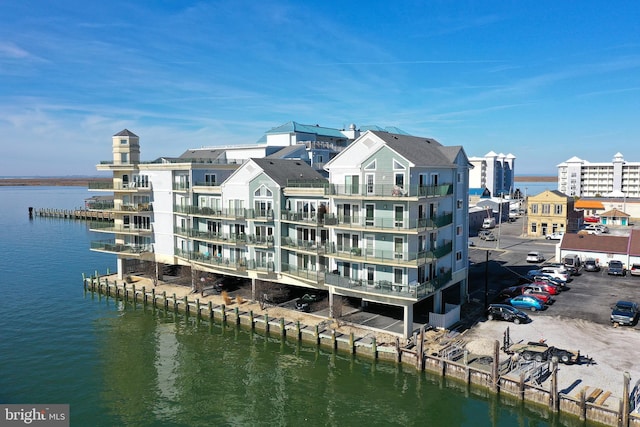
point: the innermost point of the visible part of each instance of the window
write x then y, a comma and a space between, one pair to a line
398, 166
534, 209
397, 275
459, 177
458, 255
546, 208
459, 204
558, 209
262, 192
210, 178
534, 227
123, 141
398, 246
459, 230
371, 166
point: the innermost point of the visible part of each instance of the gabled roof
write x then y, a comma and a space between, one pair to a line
296, 151
126, 132
419, 150
614, 213
593, 243
281, 170
291, 127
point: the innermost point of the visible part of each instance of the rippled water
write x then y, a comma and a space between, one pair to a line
119, 365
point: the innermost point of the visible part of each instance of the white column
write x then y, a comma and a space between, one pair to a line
408, 320
120, 268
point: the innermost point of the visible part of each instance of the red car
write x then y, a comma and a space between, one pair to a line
545, 297
592, 219
547, 287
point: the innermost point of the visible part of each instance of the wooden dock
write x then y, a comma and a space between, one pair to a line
81, 214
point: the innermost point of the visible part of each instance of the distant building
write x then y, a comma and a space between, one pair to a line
493, 172
618, 178
551, 211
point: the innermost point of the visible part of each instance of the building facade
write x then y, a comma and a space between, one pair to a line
388, 224
618, 178
494, 172
550, 212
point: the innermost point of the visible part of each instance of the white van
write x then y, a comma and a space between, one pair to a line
489, 223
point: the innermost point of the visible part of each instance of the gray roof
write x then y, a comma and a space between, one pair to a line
126, 132
281, 170
297, 150
212, 154
421, 151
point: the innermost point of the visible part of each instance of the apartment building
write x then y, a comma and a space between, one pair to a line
618, 178
388, 224
551, 211
492, 172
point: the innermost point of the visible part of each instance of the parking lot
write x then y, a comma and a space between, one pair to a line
590, 295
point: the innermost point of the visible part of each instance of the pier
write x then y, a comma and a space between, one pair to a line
80, 214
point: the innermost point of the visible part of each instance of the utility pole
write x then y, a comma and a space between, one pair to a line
486, 282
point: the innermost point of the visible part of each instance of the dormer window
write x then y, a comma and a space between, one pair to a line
262, 192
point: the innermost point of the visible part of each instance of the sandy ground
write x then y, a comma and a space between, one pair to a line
613, 350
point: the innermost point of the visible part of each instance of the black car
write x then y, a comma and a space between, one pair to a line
591, 265
624, 313
506, 312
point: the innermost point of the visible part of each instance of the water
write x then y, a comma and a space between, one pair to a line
124, 366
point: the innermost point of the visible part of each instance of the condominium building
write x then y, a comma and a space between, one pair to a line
493, 172
618, 178
388, 223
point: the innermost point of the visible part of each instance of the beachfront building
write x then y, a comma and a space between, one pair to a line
493, 172
551, 211
618, 178
386, 223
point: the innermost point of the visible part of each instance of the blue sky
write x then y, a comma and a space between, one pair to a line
543, 80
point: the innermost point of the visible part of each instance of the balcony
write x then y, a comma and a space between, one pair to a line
306, 245
238, 265
390, 224
109, 227
239, 239
212, 212
410, 259
389, 190
293, 216
109, 186
387, 288
312, 276
120, 248
180, 186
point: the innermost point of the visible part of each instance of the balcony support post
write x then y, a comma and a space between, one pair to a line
408, 320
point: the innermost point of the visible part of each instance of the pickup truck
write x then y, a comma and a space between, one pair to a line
616, 268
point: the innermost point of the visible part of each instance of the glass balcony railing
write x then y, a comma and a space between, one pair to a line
120, 248
306, 245
385, 287
386, 256
389, 190
310, 275
102, 185
109, 227
388, 223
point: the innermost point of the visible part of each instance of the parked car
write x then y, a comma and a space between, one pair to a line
596, 229
592, 219
624, 313
557, 276
534, 257
616, 268
545, 278
302, 305
508, 313
527, 302
572, 263
555, 236
510, 292
490, 237
557, 272
591, 265
545, 297
547, 287
634, 270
